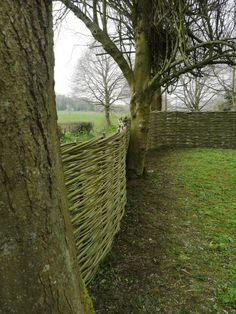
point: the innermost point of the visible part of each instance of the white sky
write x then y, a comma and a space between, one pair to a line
70, 42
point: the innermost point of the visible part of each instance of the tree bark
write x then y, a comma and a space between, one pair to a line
141, 99
107, 115
107, 106
38, 267
156, 102
140, 109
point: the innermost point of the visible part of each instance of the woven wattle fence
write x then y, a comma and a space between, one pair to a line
95, 176
192, 129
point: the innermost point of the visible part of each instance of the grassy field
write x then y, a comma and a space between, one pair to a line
176, 251
97, 118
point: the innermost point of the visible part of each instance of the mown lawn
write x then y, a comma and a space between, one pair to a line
176, 251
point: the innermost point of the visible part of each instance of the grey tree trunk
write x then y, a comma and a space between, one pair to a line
38, 268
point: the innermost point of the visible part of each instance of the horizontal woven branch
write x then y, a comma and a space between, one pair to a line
95, 178
192, 129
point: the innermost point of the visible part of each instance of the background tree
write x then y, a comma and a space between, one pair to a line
98, 78
226, 78
168, 38
195, 93
39, 270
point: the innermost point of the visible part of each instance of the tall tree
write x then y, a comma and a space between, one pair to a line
38, 267
196, 92
226, 78
168, 38
98, 78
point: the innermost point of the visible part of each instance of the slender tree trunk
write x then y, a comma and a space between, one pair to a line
38, 267
107, 112
141, 99
107, 115
107, 106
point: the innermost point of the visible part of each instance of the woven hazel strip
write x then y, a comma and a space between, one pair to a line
95, 178
192, 129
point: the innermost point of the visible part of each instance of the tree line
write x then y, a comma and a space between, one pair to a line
71, 103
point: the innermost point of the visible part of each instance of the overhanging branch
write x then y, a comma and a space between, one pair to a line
102, 37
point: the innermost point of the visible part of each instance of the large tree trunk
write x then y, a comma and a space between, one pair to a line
141, 99
38, 268
156, 102
140, 109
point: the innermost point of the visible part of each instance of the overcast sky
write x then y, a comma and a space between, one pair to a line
70, 42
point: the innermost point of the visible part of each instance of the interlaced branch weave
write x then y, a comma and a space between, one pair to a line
95, 177
192, 129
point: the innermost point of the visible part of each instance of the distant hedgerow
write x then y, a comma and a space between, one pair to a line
76, 127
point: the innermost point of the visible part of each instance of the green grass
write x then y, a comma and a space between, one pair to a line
176, 251
209, 178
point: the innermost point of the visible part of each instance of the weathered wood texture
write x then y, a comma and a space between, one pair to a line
190, 129
95, 174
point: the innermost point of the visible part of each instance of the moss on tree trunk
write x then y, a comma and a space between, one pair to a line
141, 99
138, 136
156, 102
38, 267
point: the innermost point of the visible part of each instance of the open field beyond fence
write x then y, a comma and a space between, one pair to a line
98, 118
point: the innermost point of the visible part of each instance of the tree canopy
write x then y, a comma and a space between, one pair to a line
184, 36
